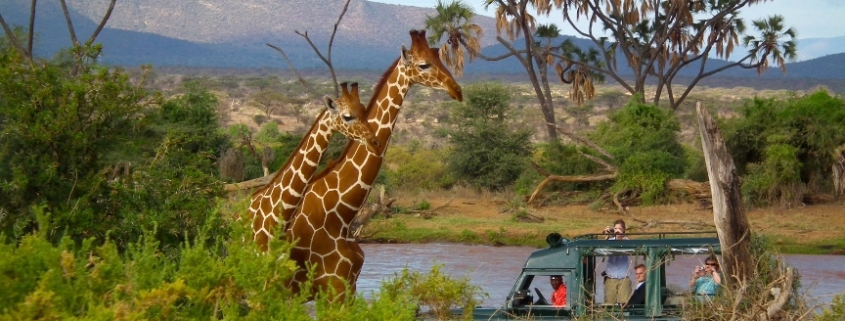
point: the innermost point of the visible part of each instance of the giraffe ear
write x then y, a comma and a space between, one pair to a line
330, 104
404, 57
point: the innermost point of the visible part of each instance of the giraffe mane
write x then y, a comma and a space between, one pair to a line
370, 107
379, 85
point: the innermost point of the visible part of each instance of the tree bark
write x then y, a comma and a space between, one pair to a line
839, 173
728, 210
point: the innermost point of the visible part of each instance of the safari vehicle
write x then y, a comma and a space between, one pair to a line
579, 261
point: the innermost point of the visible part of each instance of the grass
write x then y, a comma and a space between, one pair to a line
487, 219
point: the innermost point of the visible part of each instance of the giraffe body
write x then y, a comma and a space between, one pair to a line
275, 203
320, 227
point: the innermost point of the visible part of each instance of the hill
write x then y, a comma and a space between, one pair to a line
233, 34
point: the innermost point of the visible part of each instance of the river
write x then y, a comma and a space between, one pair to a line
495, 269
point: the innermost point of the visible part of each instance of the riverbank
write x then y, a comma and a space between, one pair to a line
462, 216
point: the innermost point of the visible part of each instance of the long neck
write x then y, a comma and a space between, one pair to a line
383, 110
277, 201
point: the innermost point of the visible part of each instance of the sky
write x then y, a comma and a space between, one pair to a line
811, 18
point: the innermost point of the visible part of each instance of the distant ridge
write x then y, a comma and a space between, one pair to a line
233, 33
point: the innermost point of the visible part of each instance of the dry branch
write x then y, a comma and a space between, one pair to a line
253, 183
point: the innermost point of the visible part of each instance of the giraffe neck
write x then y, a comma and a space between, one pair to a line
276, 202
358, 166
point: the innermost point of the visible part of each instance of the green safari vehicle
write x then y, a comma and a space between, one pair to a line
577, 261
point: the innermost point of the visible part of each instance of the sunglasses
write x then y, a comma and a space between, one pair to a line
711, 264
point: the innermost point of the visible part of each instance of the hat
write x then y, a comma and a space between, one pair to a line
556, 277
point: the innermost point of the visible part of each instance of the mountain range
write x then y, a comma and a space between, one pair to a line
234, 34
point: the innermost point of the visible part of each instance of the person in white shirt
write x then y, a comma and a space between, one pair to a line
617, 285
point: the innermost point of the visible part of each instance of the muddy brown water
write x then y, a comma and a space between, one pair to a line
495, 269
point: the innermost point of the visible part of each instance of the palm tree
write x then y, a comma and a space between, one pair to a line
453, 21
771, 41
548, 32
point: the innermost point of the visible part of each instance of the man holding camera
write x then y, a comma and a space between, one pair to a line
617, 285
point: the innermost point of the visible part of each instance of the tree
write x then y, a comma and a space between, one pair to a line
486, 152
268, 101
454, 22
658, 38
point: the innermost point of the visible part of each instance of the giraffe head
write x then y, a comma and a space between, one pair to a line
423, 66
349, 117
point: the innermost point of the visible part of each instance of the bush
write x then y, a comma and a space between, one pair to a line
435, 291
486, 152
799, 134
416, 168
835, 312
643, 139
268, 133
224, 280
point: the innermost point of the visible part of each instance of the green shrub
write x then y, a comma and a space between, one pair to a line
436, 291
811, 127
487, 152
224, 280
643, 140
836, 310
268, 133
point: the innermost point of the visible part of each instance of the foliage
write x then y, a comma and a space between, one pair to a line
655, 39
783, 147
454, 21
94, 149
268, 133
57, 136
643, 140
486, 152
436, 291
836, 311
565, 159
415, 169
225, 280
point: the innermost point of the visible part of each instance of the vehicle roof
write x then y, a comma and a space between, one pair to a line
564, 253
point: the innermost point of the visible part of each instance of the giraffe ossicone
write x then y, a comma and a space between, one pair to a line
320, 227
271, 207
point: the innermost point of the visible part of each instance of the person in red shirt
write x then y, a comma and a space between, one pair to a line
559, 295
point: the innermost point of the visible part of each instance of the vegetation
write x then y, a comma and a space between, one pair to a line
643, 140
783, 148
486, 152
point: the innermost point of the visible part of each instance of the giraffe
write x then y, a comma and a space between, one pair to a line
276, 201
320, 227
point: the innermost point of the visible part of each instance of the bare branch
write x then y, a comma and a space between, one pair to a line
583, 140
102, 22
69, 23
12, 39
31, 31
570, 178
331, 41
292, 68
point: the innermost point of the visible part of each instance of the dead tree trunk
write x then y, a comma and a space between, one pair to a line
728, 210
839, 173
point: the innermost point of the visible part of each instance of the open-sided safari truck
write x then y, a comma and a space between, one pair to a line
577, 260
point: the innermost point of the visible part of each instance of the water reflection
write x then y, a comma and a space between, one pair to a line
494, 269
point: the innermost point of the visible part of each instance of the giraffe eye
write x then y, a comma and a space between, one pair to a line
424, 66
348, 118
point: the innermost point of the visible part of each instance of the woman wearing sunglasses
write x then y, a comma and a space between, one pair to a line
706, 279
